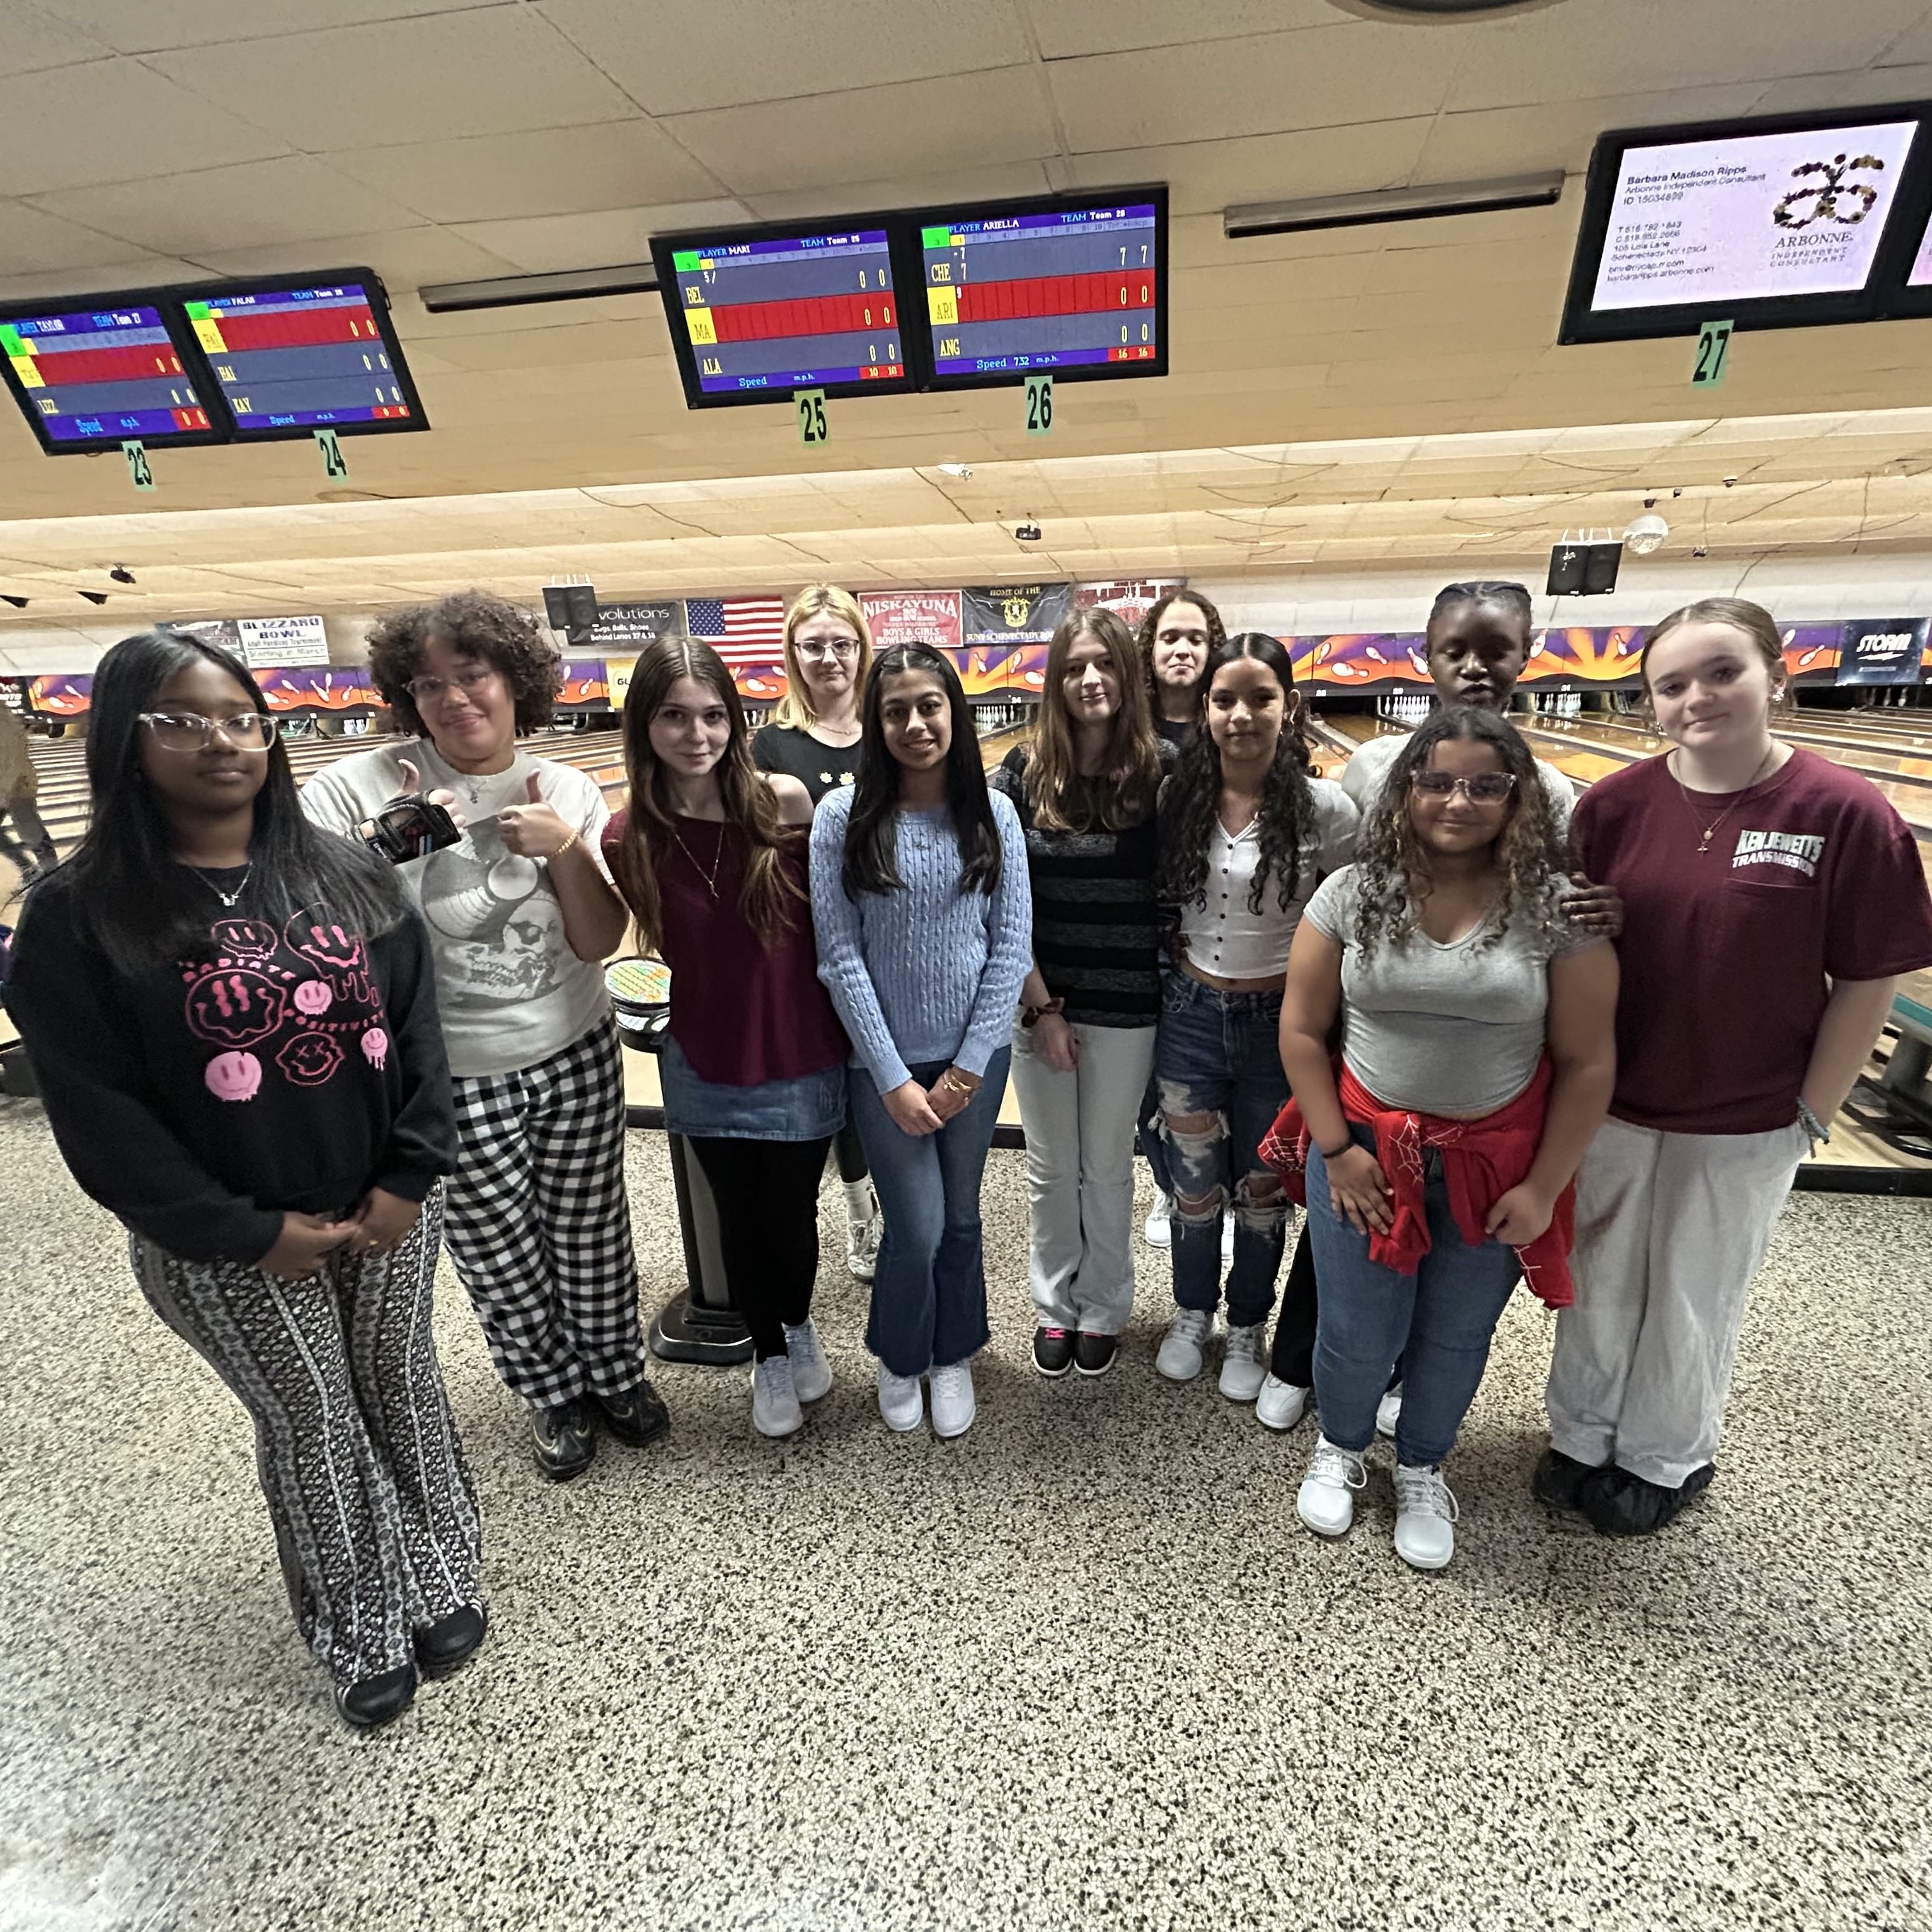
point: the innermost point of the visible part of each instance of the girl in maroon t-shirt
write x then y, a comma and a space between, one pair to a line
710, 858
1770, 898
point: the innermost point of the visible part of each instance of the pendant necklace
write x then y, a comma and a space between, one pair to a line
227, 898
710, 878
1710, 830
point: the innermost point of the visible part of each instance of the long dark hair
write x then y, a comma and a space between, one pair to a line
871, 833
649, 837
1392, 867
142, 907
1191, 798
1217, 635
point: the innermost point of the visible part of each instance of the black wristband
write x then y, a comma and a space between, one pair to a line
1342, 1149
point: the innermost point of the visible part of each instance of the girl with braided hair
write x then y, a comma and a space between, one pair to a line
1245, 836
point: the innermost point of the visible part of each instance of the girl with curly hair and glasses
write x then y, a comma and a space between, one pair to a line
1246, 836
1476, 1062
521, 915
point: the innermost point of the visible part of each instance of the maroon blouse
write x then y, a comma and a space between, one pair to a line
741, 1015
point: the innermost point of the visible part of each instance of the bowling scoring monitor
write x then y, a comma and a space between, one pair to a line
1074, 287
91, 377
290, 357
756, 313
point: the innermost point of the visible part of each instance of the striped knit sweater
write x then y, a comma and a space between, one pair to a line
928, 974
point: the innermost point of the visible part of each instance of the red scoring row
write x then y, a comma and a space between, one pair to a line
294, 328
812, 315
1054, 295
141, 363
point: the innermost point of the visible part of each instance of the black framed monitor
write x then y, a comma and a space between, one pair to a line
1072, 286
1783, 222
289, 355
758, 313
91, 372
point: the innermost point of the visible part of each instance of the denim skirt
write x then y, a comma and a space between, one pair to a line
810, 1108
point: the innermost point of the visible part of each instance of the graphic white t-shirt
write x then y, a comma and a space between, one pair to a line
510, 990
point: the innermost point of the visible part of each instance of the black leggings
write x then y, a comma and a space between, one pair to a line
850, 1151
1292, 1358
767, 1197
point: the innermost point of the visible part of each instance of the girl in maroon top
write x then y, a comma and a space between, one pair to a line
1770, 898
710, 857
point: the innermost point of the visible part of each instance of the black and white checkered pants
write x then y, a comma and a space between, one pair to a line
538, 1225
374, 1513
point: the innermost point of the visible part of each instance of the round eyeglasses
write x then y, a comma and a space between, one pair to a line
1484, 788
188, 730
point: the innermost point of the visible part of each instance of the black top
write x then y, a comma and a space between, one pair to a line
291, 1068
1096, 929
1176, 731
792, 748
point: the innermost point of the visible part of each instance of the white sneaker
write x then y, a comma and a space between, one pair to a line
1425, 1510
1244, 1365
1179, 1356
1157, 1230
811, 1372
774, 1409
861, 1244
902, 1400
953, 1408
1227, 1239
1388, 1411
1327, 1500
1280, 1404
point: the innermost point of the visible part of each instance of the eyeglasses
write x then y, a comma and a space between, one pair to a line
1485, 788
188, 730
840, 648
434, 690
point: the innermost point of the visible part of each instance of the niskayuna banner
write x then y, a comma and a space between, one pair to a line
912, 617
1006, 614
1883, 650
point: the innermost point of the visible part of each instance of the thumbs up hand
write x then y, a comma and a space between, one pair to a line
536, 830
443, 796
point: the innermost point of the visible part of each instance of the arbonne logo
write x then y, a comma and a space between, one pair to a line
1828, 200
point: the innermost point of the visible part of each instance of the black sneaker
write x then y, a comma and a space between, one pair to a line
1053, 1351
1559, 1479
566, 1440
637, 1417
375, 1700
446, 1646
1635, 1508
1095, 1354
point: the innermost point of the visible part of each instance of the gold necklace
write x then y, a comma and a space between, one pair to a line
1710, 830
710, 878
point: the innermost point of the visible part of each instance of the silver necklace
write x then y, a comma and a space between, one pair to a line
710, 878
227, 898
1710, 830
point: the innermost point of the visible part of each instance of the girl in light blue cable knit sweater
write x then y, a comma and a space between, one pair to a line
924, 929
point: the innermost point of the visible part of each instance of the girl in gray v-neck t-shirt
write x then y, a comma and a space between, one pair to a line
1456, 1028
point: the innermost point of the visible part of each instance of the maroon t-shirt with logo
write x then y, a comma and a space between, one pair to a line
1725, 954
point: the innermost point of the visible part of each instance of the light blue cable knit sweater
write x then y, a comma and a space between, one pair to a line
927, 973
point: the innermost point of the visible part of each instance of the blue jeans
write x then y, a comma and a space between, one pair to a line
1219, 1055
929, 1293
1436, 1322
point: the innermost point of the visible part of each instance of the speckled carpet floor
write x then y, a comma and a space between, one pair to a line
1081, 1668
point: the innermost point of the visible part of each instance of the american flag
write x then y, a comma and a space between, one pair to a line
743, 630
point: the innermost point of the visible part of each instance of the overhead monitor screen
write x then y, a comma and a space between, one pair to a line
1010, 293
1768, 224
755, 315
291, 360
88, 377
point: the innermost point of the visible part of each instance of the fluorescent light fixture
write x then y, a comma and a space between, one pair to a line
625, 278
1391, 204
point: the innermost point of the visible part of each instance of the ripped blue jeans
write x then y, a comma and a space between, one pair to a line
1217, 1064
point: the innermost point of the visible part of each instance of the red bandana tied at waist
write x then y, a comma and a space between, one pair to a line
1482, 1160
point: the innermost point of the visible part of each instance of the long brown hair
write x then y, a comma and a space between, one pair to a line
1753, 619
1121, 793
816, 600
649, 836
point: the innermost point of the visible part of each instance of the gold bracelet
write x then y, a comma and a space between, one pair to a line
564, 848
950, 1078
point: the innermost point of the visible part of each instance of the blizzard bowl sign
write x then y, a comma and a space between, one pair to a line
1882, 651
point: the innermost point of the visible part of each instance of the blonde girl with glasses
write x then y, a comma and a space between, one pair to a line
813, 736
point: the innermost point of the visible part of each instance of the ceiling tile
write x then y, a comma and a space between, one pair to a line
1066, 28
405, 258
129, 114
32, 242
291, 199
728, 53
123, 272
141, 26
916, 127
1320, 77
31, 39
999, 182
443, 76
1874, 87
609, 237
501, 177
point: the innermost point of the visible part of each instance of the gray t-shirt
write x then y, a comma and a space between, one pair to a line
1362, 777
1442, 1029
510, 990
